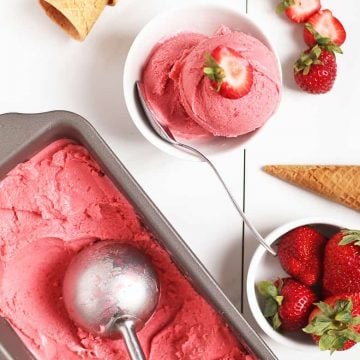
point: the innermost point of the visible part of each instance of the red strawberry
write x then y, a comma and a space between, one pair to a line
299, 10
335, 323
327, 28
288, 303
230, 74
315, 71
342, 263
300, 253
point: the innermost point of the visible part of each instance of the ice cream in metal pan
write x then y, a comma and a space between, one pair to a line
188, 317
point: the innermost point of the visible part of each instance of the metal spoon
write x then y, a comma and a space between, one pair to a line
111, 289
164, 132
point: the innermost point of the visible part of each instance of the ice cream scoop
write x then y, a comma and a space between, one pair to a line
165, 133
111, 289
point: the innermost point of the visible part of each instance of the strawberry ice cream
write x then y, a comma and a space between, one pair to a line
195, 100
162, 90
50, 208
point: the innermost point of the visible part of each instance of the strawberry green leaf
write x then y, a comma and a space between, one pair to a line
280, 8
327, 342
319, 326
213, 70
344, 317
267, 289
279, 299
349, 237
350, 335
284, 5
270, 308
209, 72
309, 329
308, 59
338, 344
355, 321
276, 322
324, 308
343, 305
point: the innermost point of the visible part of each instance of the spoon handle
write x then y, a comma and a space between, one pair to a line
258, 237
133, 346
165, 133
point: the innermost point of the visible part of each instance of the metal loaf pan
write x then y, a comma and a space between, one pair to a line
23, 135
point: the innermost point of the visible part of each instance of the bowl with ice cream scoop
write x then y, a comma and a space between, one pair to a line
111, 289
295, 274
208, 72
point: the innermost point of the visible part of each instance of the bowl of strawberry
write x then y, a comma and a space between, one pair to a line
308, 296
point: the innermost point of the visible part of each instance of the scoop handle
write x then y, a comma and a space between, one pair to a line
127, 329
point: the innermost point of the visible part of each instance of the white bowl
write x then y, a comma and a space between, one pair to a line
204, 19
264, 266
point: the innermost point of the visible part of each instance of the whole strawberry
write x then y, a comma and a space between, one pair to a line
315, 71
342, 263
288, 303
335, 323
300, 253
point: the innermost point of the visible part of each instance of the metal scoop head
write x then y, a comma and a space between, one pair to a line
111, 289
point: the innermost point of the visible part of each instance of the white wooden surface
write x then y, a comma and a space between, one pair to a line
42, 69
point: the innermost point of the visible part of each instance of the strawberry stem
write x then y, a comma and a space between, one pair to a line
213, 70
323, 41
349, 237
284, 5
334, 325
306, 60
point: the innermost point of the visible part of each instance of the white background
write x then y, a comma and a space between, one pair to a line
42, 69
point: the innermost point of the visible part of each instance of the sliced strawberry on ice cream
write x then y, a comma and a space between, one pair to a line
323, 26
230, 74
299, 10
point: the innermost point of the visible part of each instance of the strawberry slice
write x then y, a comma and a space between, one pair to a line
326, 26
299, 10
230, 74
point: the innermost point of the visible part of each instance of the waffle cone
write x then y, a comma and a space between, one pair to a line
76, 17
337, 183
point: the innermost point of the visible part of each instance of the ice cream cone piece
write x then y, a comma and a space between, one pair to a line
76, 17
336, 182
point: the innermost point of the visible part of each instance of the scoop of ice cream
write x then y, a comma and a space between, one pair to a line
161, 89
50, 208
183, 98
217, 114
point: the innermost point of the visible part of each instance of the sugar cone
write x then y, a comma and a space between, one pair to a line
337, 183
76, 17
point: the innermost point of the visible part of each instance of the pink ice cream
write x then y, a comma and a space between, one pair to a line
50, 208
161, 87
197, 102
